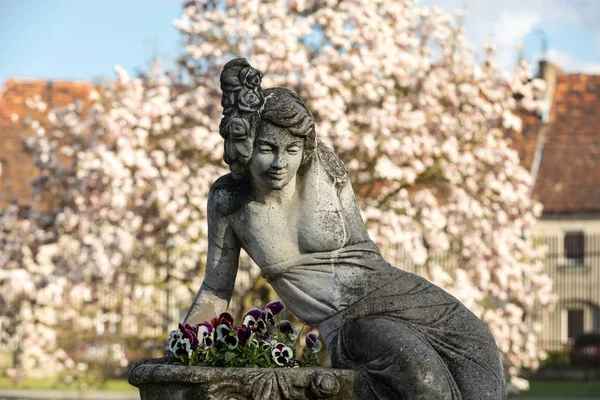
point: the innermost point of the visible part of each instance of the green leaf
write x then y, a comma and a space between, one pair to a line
229, 356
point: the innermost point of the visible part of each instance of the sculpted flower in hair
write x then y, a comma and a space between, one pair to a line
238, 128
239, 150
250, 77
231, 76
228, 102
250, 100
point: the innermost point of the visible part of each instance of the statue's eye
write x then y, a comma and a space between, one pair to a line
294, 149
265, 149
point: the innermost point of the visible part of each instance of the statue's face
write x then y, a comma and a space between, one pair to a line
276, 158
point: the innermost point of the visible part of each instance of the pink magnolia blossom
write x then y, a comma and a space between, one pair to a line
394, 89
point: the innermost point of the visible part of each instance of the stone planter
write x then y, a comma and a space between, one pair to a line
160, 381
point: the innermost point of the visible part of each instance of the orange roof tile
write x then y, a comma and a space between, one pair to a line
568, 181
58, 93
18, 168
525, 142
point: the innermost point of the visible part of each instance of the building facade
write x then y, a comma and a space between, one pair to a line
562, 150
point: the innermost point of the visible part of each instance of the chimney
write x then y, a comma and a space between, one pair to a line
549, 72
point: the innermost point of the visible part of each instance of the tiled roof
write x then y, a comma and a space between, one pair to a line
58, 93
568, 181
17, 167
525, 142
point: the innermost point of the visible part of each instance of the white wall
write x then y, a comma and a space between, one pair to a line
557, 226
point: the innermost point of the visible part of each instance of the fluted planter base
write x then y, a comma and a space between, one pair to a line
158, 380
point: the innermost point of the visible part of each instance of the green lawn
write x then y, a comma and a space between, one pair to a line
588, 389
114, 385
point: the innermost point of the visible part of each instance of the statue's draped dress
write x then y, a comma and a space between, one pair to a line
412, 339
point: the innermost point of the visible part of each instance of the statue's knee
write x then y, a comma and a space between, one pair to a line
368, 339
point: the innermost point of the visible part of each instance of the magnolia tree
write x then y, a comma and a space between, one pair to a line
394, 89
117, 218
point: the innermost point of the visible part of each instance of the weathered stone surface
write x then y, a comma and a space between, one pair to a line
159, 381
289, 204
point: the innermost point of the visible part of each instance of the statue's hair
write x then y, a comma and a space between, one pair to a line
281, 107
285, 109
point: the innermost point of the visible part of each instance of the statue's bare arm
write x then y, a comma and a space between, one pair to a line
221, 262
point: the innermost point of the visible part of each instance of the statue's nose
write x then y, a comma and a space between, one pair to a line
280, 161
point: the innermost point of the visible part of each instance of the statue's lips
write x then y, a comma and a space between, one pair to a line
277, 175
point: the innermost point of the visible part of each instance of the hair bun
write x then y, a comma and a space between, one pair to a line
242, 101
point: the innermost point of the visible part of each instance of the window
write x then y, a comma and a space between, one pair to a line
574, 247
574, 323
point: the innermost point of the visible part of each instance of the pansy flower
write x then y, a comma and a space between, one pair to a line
174, 336
190, 333
282, 354
313, 343
178, 344
255, 320
183, 347
272, 309
206, 335
224, 318
243, 334
228, 335
286, 327
265, 345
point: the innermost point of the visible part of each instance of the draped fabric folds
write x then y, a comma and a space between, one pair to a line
412, 339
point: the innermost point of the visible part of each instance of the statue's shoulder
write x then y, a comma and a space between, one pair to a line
336, 170
227, 194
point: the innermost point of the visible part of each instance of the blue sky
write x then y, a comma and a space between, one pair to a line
84, 39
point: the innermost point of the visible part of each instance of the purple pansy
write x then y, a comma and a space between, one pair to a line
228, 335
224, 318
285, 327
174, 336
272, 309
243, 334
191, 333
178, 344
206, 335
255, 320
265, 345
282, 354
183, 348
313, 343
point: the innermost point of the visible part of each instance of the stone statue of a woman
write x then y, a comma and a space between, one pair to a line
289, 204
